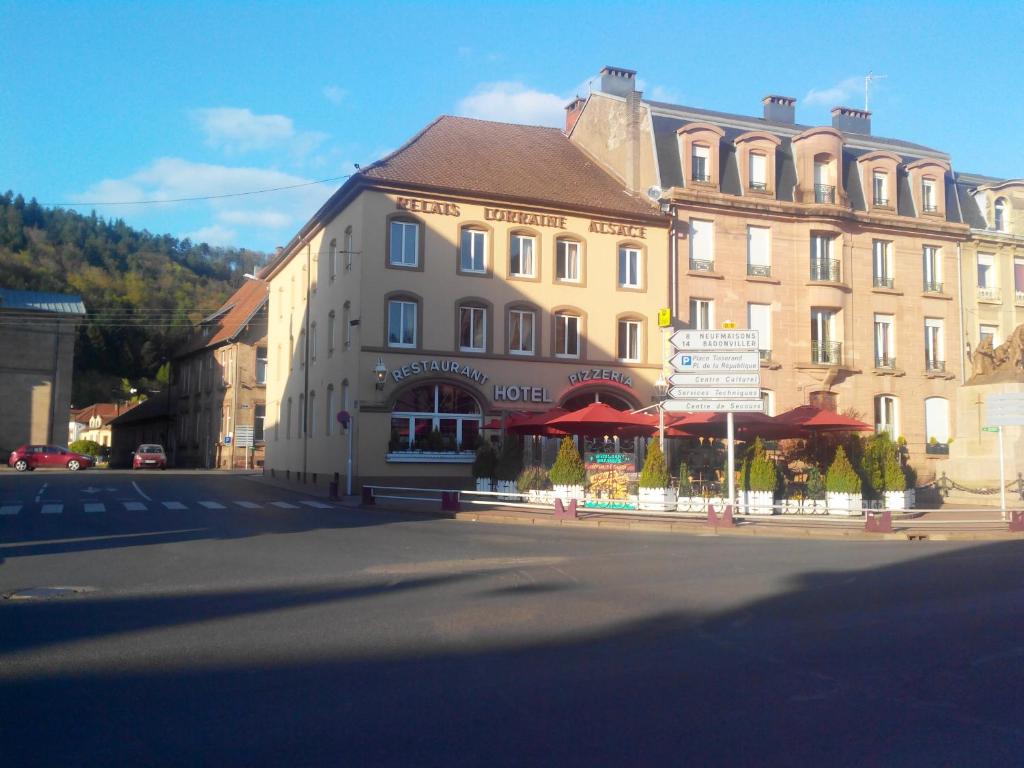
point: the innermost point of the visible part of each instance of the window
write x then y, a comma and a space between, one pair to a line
1018, 279
521, 256
404, 247
702, 314
301, 424
311, 414
629, 341
824, 190
823, 266
759, 251
701, 163
932, 269
312, 342
936, 420
885, 416
885, 341
259, 418
472, 250
758, 172
472, 328
629, 267
928, 203
825, 350
759, 318
332, 329
329, 412
288, 428
567, 261
450, 410
521, 332
989, 333
567, 335
349, 249
880, 187
261, 365
988, 286
768, 402
401, 323
302, 348
332, 259
934, 345
344, 394
346, 323
702, 245
999, 215
881, 259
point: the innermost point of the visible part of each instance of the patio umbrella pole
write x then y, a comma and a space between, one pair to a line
730, 443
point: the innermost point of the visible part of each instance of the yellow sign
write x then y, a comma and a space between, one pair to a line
729, 324
664, 317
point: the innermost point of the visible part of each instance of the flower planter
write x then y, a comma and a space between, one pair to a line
900, 499
485, 483
759, 503
508, 490
567, 493
657, 499
846, 504
696, 504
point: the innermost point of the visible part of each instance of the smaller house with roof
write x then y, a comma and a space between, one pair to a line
93, 422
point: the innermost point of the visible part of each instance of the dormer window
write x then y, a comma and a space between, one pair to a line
758, 172
880, 188
999, 215
700, 164
824, 189
928, 199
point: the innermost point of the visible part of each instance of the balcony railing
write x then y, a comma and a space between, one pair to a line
702, 265
1018, 297
881, 201
825, 269
701, 176
885, 362
989, 293
824, 193
883, 282
759, 186
934, 366
826, 353
930, 208
759, 270
937, 449
930, 286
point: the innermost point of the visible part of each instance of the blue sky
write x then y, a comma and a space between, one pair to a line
103, 102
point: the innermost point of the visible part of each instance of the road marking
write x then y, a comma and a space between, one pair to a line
52, 509
140, 491
249, 504
212, 504
10, 509
176, 505
283, 505
40, 494
317, 504
94, 506
134, 506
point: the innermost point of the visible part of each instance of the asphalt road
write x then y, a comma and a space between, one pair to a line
224, 633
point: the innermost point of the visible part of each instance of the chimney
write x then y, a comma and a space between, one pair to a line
851, 120
618, 81
573, 110
779, 109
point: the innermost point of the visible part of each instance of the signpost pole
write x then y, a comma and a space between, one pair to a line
731, 448
1002, 476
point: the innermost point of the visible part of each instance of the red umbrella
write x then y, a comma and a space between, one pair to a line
747, 426
812, 419
536, 423
599, 419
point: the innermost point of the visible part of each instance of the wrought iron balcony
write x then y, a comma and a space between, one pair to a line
881, 201
759, 270
883, 282
930, 286
825, 193
702, 265
937, 449
759, 186
827, 352
885, 362
701, 176
930, 208
989, 293
934, 366
825, 269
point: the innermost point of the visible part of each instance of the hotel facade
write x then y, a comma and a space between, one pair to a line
481, 269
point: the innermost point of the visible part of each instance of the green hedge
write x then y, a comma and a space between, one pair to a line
654, 473
841, 477
568, 468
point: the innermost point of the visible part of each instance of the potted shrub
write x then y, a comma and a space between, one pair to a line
484, 465
687, 498
759, 481
510, 464
568, 473
843, 487
656, 493
535, 483
897, 495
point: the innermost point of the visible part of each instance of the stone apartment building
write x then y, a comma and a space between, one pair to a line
218, 385
840, 247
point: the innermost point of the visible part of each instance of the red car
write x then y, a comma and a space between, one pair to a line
29, 457
149, 456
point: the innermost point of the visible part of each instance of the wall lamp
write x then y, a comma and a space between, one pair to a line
381, 372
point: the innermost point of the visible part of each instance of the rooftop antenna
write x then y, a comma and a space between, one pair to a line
868, 80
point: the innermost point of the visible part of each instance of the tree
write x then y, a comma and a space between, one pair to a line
841, 477
654, 473
568, 468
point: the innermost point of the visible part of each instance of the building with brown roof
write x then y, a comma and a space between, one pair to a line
93, 422
218, 383
479, 269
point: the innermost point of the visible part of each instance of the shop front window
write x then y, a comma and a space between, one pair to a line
435, 423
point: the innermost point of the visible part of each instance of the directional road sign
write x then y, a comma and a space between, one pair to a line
715, 406
716, 393
690, 362
243, 436
718, 341
715, 379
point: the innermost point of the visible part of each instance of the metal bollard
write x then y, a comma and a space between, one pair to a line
332, 490
450, 501
368, 499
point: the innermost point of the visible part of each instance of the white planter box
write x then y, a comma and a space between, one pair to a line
566, 493
485, 484
657, 499
692, 504
847, 504
508, 489
900, 499
760, 502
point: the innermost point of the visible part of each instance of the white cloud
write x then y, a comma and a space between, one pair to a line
840, 94
213, 235
513, 102
334, 94
239, 130
661, 93
265, 219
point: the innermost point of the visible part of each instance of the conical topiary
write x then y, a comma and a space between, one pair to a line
841, 477
759, 471
654, 473
484, 462
568, 468
815, 484
685, 486
894, 478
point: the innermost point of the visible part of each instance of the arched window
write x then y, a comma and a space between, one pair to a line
404, 243
568, 327
349, 252
332, 323
522, 254
630, 339
999, 215
887, 415
568, 260
329, 411
936, 424
472, 327
631, 266
332, 260
302, 347
302, 416
473, 250
311, 407
768, 398
344, 394
312, 342
288, 422
401, 322
447, 409
346, 323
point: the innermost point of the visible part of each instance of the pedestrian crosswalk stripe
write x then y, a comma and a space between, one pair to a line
283, 505
94, 506
212, 504
10, 509
52, 509
135, 506
317, 504
175, 505
249, 504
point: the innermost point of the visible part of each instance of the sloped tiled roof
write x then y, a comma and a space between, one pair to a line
523, 163
106, 411
155, 407
35, 301
228, 321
